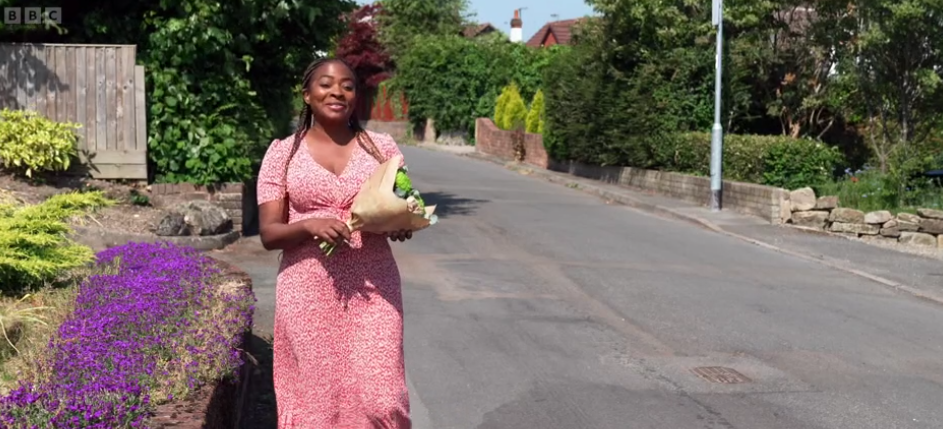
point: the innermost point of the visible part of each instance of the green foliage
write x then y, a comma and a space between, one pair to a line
30, 143
511, 112
454, 80
871, 190
219, 75
769, 160
34, 248
405, 20
535, 118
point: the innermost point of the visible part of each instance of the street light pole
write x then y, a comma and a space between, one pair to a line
717, 132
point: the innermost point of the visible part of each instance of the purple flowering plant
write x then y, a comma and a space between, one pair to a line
153, 323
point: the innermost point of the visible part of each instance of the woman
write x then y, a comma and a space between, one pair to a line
338, 352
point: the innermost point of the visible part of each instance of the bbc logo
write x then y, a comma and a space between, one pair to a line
32, 15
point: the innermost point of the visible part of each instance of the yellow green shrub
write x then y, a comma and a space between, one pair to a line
535, 118
35, 249
513, 114
30, 143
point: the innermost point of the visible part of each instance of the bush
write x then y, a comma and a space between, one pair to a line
154, 323
455, 80
514, 113
535, 118
34, 248
30, 143
779, 161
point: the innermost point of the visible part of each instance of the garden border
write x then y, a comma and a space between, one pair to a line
99, 239
219, 405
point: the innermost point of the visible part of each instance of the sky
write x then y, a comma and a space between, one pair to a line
534, 15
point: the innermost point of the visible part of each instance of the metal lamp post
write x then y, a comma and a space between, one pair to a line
717, 132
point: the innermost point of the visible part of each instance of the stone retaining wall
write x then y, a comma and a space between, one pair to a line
925, 228
399, 130
765, 202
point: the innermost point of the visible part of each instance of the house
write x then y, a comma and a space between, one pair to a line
554, 33
478, 30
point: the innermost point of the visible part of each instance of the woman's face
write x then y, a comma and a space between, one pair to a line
332, 93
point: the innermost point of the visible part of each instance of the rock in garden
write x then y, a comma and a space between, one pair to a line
890, 224
205, 218
172, 225
931, 226
855, 228
918, 239
930, 213
940, 239
810, 219
892, 232
846, 215
878, 218
909, 218
826, 203
802, 199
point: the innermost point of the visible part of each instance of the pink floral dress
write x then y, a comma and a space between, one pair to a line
338, 351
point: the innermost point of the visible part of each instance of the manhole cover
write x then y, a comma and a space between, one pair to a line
720, 374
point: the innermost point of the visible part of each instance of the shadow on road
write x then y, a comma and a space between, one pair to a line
260, 411
451, 205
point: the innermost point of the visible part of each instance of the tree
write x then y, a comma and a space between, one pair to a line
403, 20
361, 48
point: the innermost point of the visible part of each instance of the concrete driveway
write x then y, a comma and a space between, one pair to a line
531, 305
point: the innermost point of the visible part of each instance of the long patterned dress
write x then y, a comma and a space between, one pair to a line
338, 350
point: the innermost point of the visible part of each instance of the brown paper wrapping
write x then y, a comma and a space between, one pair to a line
378, 210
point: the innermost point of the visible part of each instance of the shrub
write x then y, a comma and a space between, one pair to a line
535, 118
769, 160
34, 249
514, 114
500, 106
152, 324
455, 80
30, 143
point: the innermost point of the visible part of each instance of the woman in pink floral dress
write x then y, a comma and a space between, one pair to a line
338, 320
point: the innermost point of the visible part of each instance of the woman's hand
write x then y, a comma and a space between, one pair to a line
330, 231
400, 235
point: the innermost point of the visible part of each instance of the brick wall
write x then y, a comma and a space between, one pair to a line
230, 197
492, 140
765, 202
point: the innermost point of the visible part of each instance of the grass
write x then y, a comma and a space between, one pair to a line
872, 191
27, 324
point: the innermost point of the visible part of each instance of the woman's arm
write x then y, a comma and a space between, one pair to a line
275, 232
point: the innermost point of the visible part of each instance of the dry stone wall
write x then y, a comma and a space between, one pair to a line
925, 228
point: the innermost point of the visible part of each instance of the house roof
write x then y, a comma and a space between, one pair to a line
562, 32
477, 30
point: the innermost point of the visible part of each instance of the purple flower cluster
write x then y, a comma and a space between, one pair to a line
153, 323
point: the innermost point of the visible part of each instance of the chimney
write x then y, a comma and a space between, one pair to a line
517, 33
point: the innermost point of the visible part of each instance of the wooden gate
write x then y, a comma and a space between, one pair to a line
97, 86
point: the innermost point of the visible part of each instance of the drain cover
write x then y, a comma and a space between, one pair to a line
720, 374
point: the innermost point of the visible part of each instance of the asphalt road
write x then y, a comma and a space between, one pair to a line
531, 305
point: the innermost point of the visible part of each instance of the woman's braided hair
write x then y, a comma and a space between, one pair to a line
306, 119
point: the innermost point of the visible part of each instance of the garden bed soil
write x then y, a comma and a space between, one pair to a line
125, 216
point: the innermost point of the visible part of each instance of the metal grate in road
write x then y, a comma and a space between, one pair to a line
720, 374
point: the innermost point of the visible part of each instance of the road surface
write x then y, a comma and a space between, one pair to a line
531, 305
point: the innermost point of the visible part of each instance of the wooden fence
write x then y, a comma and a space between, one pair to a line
97, 86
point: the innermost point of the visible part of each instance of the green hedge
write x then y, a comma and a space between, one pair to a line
768, 160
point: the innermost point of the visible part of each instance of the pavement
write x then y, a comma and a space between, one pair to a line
537, 305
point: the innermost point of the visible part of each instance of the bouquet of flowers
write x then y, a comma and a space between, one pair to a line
387, 202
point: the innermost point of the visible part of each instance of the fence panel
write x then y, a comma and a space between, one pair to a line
97, 86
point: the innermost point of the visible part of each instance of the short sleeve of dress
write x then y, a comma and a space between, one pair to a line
271, 181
